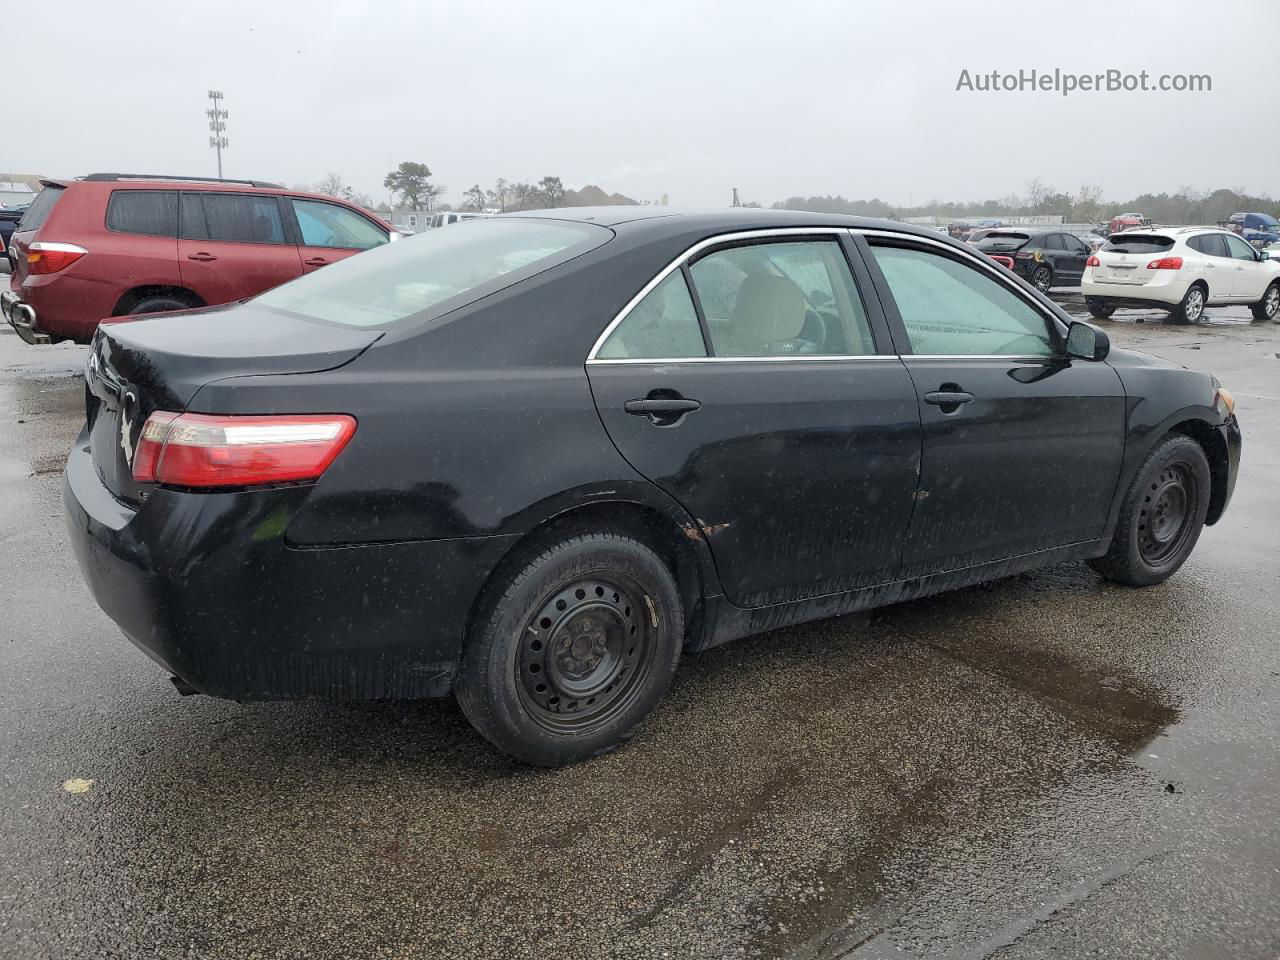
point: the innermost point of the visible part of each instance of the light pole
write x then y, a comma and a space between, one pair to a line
218, 124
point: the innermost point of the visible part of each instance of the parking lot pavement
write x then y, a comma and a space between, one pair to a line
1045, 766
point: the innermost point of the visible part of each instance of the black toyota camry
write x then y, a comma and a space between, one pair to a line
531, 459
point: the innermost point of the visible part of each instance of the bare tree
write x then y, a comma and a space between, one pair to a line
1037, 191
475, 197
521, 195
499, 195
552, 191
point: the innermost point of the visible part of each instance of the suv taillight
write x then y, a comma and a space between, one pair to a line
1166, 263
202, 451
1093, 261
46, 257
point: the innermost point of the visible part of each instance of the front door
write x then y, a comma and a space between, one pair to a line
1021, 446
1249, 274
764, 407
329, 232
234, 245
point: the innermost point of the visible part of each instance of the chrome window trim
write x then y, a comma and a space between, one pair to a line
694, 251
1000, 273
819, 358
994, 269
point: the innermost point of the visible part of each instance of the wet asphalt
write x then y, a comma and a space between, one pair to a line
1046, 766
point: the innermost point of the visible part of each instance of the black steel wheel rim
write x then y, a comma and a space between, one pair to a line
1165, 519
1042, 277
586, 652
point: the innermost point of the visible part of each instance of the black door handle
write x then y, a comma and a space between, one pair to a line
661, 407
947, 398
201, 256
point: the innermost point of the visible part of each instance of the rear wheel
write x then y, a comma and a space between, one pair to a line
159, 304
1042, 278
1161, 517
1268, 308
572, 650
1099, 309
1191, 309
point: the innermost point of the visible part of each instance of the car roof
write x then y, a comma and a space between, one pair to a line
659, 220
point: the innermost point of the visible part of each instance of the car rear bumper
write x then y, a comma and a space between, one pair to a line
1133, 294
22, 317
208, 586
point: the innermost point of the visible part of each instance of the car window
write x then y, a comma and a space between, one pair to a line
663, 325
1137, 243
1214, 244
329, 225
1075, 244
432, 273
242, 218
1053, 241
781, 299
1238, 248
151, 212
41, 206
952, 309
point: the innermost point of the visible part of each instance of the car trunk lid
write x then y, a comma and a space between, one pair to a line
159, 363
1125, 257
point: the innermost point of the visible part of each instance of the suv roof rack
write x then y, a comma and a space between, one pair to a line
113, 177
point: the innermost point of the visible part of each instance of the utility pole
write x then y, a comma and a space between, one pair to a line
218, 125
736, 201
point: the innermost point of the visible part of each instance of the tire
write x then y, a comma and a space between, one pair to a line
1268, 308
1161, 517
572, 650
1191, 309
1042, 278
160, 304
1099, 309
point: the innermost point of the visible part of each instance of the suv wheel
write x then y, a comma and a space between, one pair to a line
159, 304
1099, 309
1042, 278
1161, 517
1268, 308
572, 650
1191, 309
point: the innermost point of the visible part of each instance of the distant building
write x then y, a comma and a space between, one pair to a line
17, 189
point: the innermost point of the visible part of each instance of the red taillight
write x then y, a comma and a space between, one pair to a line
1093, 261
201, 450
1166, 263
46, 257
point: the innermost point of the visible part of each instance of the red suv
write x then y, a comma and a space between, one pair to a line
113, 244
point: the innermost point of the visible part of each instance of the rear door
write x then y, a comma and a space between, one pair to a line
1021, 446
759, 391
234, 245
329, 232
1075, 254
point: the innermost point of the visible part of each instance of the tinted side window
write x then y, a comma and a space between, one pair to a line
41, 206
153, 212
662, 325
952, 309
1214, 244
1075, 244
782, 299
329, 225
1239, 249
242, 218
1052, 242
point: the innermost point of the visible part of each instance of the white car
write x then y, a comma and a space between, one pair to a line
1182, 270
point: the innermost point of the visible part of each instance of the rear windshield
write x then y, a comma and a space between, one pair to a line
40, 208
432, 273
1137, 243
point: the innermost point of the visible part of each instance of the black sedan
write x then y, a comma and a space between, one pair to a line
1044, 257
531, 459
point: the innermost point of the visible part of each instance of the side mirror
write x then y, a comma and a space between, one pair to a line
1263, 255
1087, 342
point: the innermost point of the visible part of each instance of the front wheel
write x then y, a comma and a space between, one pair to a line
1099, 309
572, 650
1042, 278
1268, 308
1161, 517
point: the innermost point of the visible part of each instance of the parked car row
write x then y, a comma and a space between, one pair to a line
111, 244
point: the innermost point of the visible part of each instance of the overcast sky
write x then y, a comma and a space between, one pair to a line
685, 98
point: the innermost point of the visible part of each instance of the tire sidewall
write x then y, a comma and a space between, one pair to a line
175, 305
1181, 313
1177, 450
488, 686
